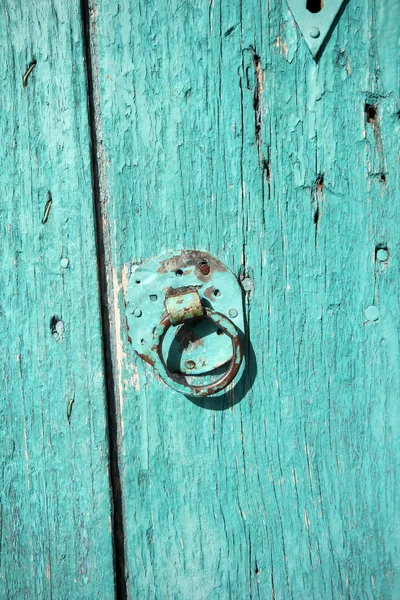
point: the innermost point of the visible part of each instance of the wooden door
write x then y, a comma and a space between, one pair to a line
212, 128
219, 131
55, 503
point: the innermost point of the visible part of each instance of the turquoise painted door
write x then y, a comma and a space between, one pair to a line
55, 502
219, 131
134, 128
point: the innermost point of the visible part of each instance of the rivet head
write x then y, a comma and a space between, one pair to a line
204, 268
232, 312
371, 313
382, 255
64, 262
315, 32
247, 284
190, 364
137, 312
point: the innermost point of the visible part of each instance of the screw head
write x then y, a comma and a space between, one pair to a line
315, 32
190, 364
232, 312
371, 313
137, 312
382, 255
64, 262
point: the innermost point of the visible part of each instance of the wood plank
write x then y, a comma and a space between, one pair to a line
56, 539
220, 132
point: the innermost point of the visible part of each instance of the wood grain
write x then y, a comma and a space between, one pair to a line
218, 131
55, 519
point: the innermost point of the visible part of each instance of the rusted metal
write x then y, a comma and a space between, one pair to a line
155, 289
179, 382
146, 358
204, 267
190, 364
188, 339
209, 292
183, 306
193, 258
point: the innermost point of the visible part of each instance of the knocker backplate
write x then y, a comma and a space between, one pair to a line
193, 348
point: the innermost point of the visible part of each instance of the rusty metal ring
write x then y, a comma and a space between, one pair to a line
178, 382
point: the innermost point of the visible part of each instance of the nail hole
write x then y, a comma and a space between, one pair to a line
220, 332
266, 169
383, 178
53, 323
315, 6
371, 113
319, 182
179, 273
138, 281
142, 342
257, 98
217, 293
56, 328
153, 297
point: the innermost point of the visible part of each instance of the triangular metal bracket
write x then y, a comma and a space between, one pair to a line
315, 26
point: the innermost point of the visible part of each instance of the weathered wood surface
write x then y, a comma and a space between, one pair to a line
218, 131
55, 526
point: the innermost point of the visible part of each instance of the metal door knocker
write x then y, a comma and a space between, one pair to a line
185, 318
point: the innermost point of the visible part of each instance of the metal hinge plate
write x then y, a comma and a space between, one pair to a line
315, 26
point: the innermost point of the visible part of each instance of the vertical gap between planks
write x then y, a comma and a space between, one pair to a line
104, 263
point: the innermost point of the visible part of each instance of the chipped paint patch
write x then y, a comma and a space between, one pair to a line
119, 353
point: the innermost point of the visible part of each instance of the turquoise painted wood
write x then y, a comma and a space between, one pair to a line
219, 131
55, 507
